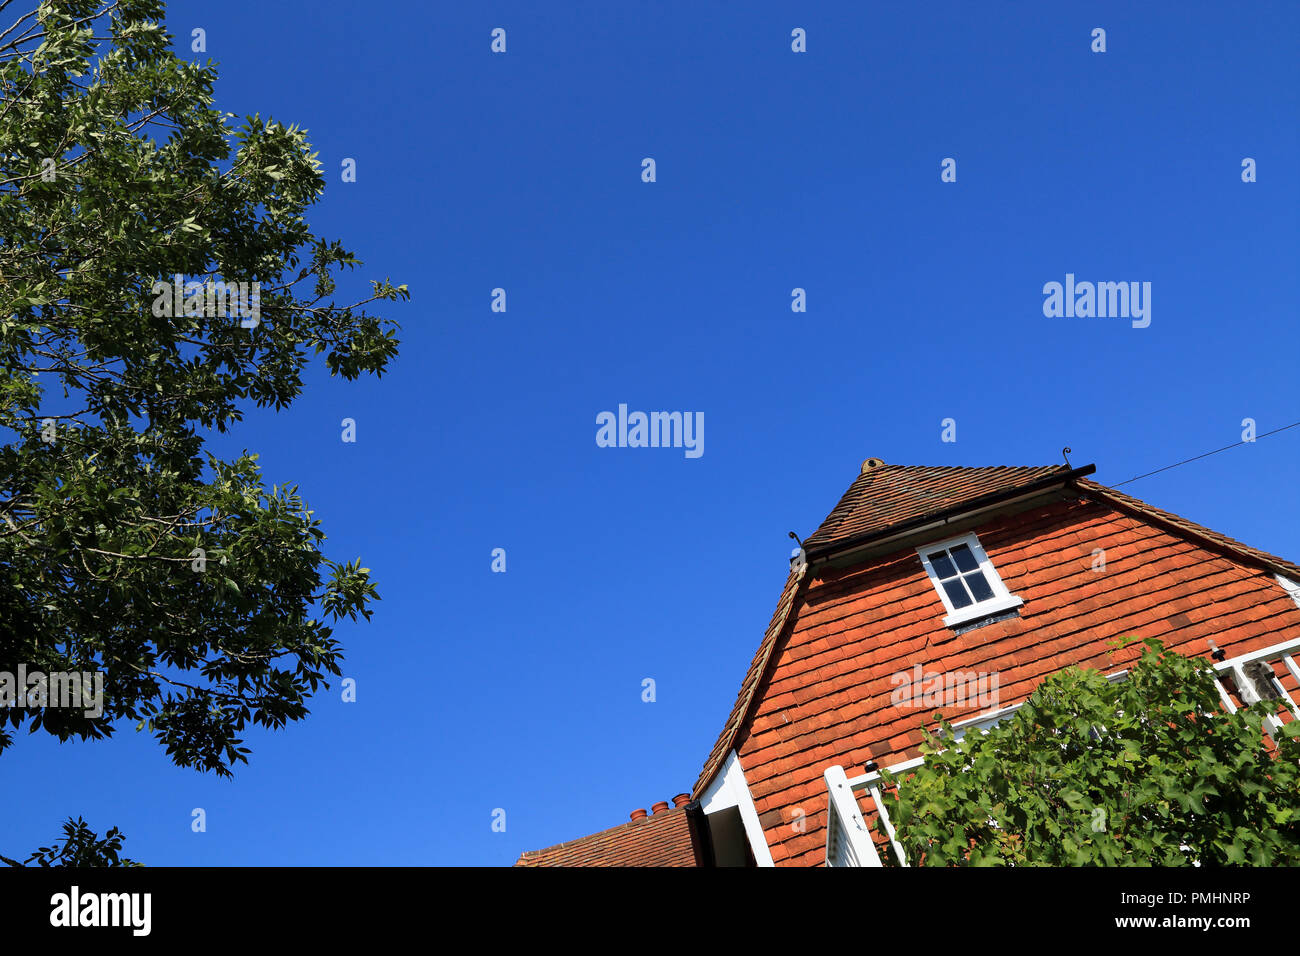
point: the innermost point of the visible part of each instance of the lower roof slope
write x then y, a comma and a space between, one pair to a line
669, 838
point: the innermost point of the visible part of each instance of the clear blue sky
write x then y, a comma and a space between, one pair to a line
775, 170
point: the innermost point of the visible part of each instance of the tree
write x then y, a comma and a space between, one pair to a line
81, 846
1149, 770
131, 211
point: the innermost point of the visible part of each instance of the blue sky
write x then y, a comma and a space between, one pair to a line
775, 170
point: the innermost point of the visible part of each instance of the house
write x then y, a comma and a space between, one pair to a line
971, 584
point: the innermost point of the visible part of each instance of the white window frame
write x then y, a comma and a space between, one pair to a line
1002, 600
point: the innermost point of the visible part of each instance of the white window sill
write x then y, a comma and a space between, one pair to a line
983, 609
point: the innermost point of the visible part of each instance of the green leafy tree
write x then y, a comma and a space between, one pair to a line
1149, 770
81, 846
126, 545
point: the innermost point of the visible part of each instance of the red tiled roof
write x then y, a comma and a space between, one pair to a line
668, 838
827, 697
880, 497
904, 614
889, 495
1191, 528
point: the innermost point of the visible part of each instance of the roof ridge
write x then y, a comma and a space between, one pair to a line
961, 467
666, 838
625, 825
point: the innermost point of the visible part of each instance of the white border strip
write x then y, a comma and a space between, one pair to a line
730, 789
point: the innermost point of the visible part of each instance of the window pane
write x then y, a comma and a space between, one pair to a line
965, 560
956, 593
978, 586
942, 566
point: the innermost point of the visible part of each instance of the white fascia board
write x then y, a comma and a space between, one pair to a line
1291, 587
730, 789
